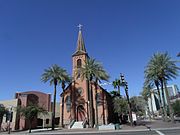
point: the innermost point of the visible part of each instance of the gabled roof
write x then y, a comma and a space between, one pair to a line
93, 83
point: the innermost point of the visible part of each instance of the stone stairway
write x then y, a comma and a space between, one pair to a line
77, 125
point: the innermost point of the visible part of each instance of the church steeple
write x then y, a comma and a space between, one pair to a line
80, 43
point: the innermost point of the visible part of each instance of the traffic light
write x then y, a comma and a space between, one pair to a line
126, 86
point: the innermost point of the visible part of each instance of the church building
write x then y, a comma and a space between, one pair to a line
77, 97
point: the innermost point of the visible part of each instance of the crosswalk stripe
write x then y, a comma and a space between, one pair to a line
160, 133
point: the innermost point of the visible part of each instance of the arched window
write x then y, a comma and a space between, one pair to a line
79, 63
68, 103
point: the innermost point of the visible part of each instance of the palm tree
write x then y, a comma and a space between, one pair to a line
90, 71
164, 68
30, 113
55, 75
114, 94
167, 71
117, 83
152, 79
100, 74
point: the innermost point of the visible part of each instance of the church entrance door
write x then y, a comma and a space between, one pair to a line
80, 113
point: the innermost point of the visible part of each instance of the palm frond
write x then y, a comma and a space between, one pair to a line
92, 70
55, 74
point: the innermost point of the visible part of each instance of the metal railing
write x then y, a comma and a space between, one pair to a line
71, 123
85, 122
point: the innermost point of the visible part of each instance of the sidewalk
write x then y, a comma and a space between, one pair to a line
141, 126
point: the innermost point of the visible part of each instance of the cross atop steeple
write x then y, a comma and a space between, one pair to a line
80, 26
80, 42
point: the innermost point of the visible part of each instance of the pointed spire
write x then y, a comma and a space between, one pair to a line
80, 41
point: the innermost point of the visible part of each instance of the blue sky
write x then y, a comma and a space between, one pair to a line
122, 34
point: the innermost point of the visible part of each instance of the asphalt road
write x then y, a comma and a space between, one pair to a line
123, 133
171, 132
152, 132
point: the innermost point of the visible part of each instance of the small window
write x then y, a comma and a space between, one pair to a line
79, 63
57, 120
47, 121
79, 90
40, 122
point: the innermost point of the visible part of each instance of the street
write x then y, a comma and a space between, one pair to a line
152, 132
155, 127
172, 131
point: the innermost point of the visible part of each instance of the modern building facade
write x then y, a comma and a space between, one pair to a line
24, 99
77, 97
37, 98
153, 102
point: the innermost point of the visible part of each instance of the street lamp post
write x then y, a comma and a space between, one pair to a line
125, 84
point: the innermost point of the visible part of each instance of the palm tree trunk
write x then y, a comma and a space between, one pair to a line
30, 122
71, 112
148, 111
91, 106
62, 114
97, 123
54, 106
160, 102
103, 109
73, 101
87, 92
164, 103
169, 103
152, 106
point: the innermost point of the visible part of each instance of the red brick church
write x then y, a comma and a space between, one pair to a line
76, 95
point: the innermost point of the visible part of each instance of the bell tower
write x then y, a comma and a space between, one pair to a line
80, 91
80, 55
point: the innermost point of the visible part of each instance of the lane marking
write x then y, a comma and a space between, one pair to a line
160, 133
